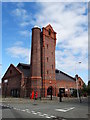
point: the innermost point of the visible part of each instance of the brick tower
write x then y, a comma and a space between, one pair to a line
43, 60
36, 61
48, 59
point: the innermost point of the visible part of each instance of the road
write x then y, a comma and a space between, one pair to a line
25, 108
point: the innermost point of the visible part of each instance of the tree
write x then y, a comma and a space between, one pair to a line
84, 89
88, 88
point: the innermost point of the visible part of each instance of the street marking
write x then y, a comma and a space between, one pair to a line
23, 110
52, 116
70, 108
38, 112
28, 112
45, 114
33, 112
65, 109
41, 114
48, 117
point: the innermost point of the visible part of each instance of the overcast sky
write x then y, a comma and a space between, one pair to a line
68, 19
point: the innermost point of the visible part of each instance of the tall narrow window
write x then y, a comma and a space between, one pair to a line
47, 59
79, 83
10, 71
47, 46
49, 32
52, 66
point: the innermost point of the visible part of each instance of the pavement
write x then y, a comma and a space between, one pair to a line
45, 108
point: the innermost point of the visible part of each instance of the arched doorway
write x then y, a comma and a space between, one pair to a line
50, 90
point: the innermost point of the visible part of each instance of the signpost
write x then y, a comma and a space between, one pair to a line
61, 90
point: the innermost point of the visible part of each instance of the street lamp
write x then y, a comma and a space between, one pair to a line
40, 89
77, 82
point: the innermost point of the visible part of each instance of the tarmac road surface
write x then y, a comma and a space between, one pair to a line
25, 108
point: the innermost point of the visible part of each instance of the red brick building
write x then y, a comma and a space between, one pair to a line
40, 74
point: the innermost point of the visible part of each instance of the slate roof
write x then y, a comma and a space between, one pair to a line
63, 76
25, 68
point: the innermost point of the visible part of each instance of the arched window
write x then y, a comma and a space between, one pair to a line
47, 59
47, 46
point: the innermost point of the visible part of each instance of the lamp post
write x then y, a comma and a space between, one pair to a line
40, 89
77, 82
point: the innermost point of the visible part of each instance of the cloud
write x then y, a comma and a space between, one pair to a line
22, 24
25, 33
70, 21
18, 43
20, 12
20, 4
24, 17
17, 51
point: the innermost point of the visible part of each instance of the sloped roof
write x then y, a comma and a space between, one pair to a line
11, 65
63, 76
24, 68
49, 27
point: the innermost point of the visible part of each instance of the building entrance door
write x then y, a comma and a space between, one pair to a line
50, 90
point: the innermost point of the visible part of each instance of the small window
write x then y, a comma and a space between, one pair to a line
79, 83
47, 46
52, 66
10, 71
47, 71
47, 59
49, 32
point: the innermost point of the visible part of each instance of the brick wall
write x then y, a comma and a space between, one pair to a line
48, 58
36, 60
14, 80
65, 84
